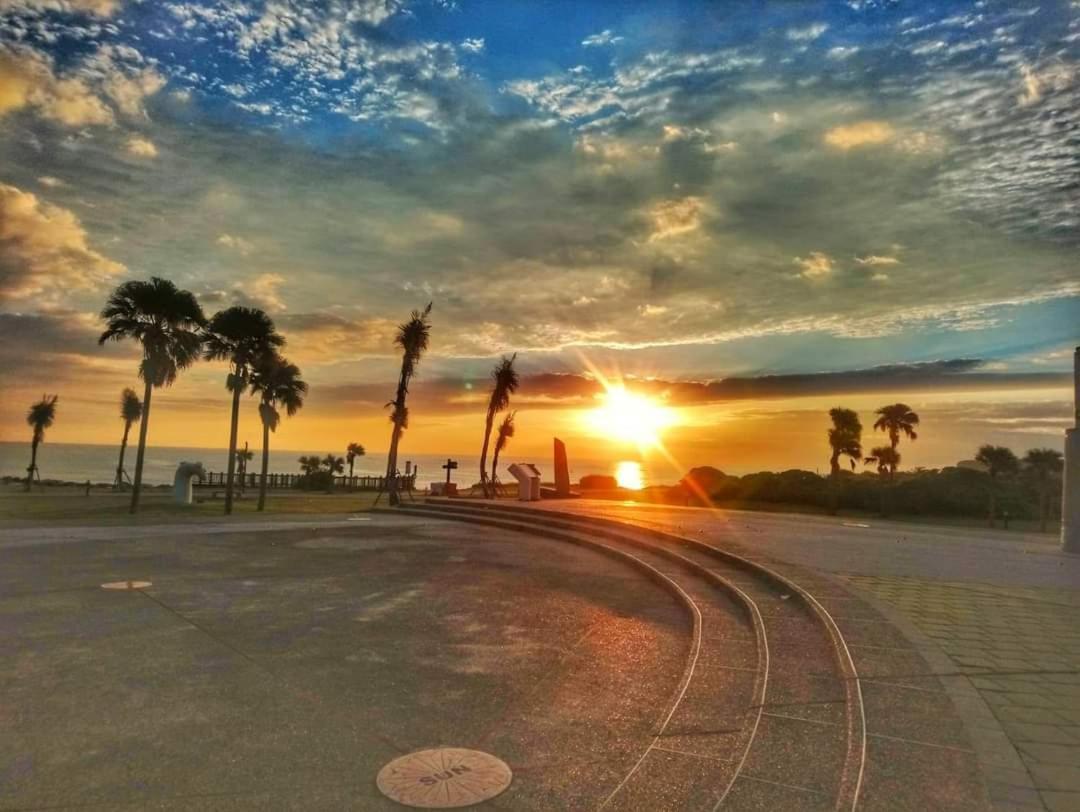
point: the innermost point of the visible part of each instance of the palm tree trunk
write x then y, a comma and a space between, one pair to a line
395, 439
141, 454
265, 465
834, 464
232, 446
484, 452
494, 472
33, 463
120, 465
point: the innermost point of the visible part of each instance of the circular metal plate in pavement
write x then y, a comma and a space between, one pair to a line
444, 778
126, 585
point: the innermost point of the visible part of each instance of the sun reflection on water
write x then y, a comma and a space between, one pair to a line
628, 474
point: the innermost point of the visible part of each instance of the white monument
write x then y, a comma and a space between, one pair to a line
1070, 488
183, 490
528, 477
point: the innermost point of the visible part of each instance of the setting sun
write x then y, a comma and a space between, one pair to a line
631, 418
628, 475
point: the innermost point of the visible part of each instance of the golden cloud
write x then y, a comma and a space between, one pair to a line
671, 218
141, 147
815, 266
27, 80
101, 8
44, 250
860, 134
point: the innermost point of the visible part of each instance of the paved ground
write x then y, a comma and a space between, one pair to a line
1001, 611
282, 668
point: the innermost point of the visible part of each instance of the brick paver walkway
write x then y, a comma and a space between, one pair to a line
1020, 649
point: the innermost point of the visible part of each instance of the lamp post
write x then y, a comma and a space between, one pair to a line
1070, 482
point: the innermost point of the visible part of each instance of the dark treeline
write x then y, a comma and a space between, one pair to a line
956, 492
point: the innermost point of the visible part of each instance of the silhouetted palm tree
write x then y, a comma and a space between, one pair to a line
885, 458
504, 382
502, 439
334, 465
310, 464
1043, 465
413, 337
278, 383
130, 412
999, 461
167, 322
40, 417
845, 438
352, 453
241, 336
897, 419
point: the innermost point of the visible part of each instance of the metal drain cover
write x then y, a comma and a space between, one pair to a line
126, 585
444, 778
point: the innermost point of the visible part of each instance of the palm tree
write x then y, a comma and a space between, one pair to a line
241, 336
1044, 465
504, 382
278, 383
352, 453
334, 465
897, 419
40, 417
845, 438
130, 412
167, 322
999, 461
412, 337
310, 464
502, 439
886, 458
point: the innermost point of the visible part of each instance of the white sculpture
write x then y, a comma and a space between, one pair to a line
183, 490
528, 477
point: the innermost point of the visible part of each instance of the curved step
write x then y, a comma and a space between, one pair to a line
802, 739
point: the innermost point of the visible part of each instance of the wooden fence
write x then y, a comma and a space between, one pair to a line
216, 479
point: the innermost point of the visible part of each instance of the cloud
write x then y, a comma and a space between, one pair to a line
263, 291
671, 218
51, 182
1055, 77
807, 34
815, 266
141, 147
873, 260
473, 45
27, 80
860, 134
234, 243
605, 37
44, 251
100, 8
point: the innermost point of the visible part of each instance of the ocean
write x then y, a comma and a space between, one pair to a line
78, 462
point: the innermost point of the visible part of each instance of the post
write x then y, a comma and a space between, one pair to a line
1070, 480
562, 470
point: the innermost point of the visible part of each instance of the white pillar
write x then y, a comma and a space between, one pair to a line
1070, 486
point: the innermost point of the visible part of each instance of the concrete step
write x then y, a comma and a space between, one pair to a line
793, 747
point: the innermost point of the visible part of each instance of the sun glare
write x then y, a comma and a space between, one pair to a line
631, 418
628, 475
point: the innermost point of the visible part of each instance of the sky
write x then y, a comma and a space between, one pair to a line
749, 211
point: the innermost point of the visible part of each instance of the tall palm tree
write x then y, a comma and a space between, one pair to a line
130, 412
504, 382
412, 337
278, 383
845, 438
167, 322
1044, 465
999, 461
502, 439
897, 419
241, 336
334, 465
40, 417
352, 453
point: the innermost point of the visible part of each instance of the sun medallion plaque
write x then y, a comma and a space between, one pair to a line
444, 778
